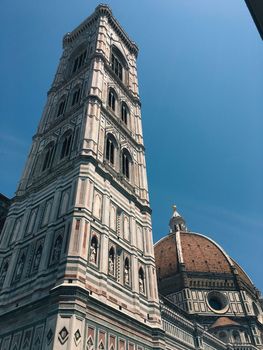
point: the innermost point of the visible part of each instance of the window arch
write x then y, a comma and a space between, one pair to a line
118, 63
48, 154
61, 106
65, 144
126, 161
93, 250
141, 281
75, 96
111, 146
124, 113
79, 61
112, 261
112, 99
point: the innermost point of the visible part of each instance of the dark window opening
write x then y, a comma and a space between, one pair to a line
126, 163
116, 66
124, 113
66, 146
79, 61
48, 157
110, 150
112, 100
75, 98
61, 108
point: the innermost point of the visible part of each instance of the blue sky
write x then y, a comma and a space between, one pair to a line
200, 78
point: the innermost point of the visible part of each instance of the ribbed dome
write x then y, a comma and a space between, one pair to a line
196, 253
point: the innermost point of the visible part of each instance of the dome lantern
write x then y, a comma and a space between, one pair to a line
177, 222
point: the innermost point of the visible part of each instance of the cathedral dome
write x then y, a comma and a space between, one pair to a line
189, 259
194, 253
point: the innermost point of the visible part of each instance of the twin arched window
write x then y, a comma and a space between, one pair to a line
113, 102
126, 159
118, 63
48, 152
79, 61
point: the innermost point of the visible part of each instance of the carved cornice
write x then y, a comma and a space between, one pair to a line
101, 10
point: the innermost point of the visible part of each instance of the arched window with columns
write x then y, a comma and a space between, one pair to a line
126, 163
112, 99
48, 154
111, 149
65, 144
119, 64
124, 113
61, 107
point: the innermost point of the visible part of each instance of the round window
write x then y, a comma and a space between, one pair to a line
217, 302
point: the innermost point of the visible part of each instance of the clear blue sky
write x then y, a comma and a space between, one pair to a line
201, 78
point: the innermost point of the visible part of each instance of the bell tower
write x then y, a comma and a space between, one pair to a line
76, 256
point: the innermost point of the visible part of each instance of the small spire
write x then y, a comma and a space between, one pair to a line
177, 222
175, 212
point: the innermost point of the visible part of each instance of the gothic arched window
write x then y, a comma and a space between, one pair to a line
124, 113
65, 144
48, 156
61, 107
126, 161
93, 256
111, 145
112, 98
79, 61
118, 63
112, 261
75, 96
141, 281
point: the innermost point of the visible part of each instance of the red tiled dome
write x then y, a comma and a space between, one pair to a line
197, 253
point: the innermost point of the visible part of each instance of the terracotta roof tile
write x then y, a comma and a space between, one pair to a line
224, 322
